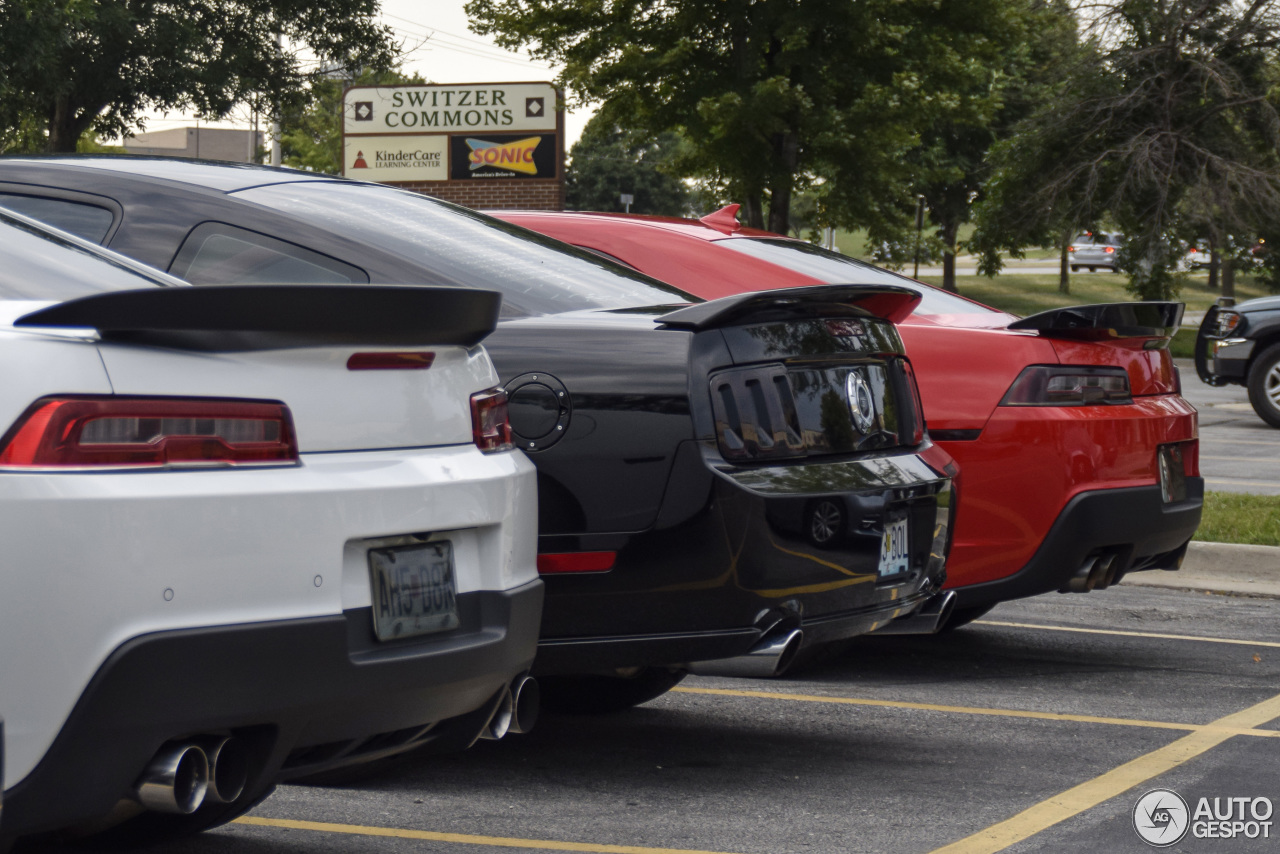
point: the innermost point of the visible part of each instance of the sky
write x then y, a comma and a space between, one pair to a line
441, 48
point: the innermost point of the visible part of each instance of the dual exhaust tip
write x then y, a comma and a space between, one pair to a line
770, 657
517, 710
184, 775
1097, 573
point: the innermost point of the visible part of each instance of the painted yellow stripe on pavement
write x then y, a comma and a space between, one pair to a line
460, 838
969, 710
1120, 633
1115, 782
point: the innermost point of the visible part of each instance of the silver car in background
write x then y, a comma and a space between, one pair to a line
1094, 250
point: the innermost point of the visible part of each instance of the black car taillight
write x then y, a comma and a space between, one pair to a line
149, 432
490, 428
755, 414
1068, 385
912, 429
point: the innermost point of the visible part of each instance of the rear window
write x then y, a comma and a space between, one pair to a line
835, 269
38, 265
83, 220
535, 274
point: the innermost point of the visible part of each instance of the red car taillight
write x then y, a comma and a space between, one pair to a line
1109, 249
1068, 385
490, 428
149, 432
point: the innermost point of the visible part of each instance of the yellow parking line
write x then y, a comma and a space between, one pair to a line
1115, 782
460, 838
1155, 635
975, 710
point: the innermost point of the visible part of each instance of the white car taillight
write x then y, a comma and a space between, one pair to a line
1068, 385
490, 428
149, 432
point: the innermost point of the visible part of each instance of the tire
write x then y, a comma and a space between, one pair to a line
1093, 269
1075, 268
1264, 385
964, 616
601, 695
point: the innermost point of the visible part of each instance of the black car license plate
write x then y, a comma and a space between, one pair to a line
413, 590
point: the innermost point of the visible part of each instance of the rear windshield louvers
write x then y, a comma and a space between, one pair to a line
756, 414
774, 413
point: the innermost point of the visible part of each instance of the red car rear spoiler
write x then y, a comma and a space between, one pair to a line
888, 301
1107, 321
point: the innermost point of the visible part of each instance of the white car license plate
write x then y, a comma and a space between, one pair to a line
414, 592
895, 553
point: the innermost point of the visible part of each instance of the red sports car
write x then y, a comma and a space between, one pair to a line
1079, 458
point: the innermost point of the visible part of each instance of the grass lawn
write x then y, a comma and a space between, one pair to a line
1231, 517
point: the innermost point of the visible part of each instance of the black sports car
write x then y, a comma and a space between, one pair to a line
724, 480
1241, 345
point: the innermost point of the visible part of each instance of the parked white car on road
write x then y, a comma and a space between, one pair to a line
250, 533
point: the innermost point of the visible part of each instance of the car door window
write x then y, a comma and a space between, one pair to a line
215, 253
90, 222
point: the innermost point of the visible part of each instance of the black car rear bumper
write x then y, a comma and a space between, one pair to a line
1134, 523
304, 695
748, 562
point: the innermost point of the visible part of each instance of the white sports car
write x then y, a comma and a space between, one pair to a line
249, 533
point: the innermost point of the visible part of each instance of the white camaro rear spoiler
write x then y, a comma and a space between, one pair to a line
226, 318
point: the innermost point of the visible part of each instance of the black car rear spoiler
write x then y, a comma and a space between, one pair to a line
888, 301
225, 318
1107, 321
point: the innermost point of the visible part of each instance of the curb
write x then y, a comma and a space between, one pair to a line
1220, 568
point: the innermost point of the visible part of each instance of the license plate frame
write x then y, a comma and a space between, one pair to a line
413, 590
895, 547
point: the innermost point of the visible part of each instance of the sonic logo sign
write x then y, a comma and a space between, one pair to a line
477, 157
516, 156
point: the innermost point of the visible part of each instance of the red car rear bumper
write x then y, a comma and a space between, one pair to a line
1036, 472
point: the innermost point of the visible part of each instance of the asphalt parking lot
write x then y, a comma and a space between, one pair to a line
1239, 452
1036, 729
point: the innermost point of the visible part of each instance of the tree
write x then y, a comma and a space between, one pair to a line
608, 161
1173, 124
98, 65
772, 96
311, 132
950, 164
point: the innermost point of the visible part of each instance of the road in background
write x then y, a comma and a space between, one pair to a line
1239, 452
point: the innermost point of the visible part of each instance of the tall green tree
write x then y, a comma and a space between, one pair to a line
608, 161
773, 96
311, 131
79, 65
1175, 121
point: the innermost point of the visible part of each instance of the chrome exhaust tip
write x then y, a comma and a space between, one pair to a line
1084, 579
176, 781
770, 657
526, 698
500, 722
228, 767
926, 620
